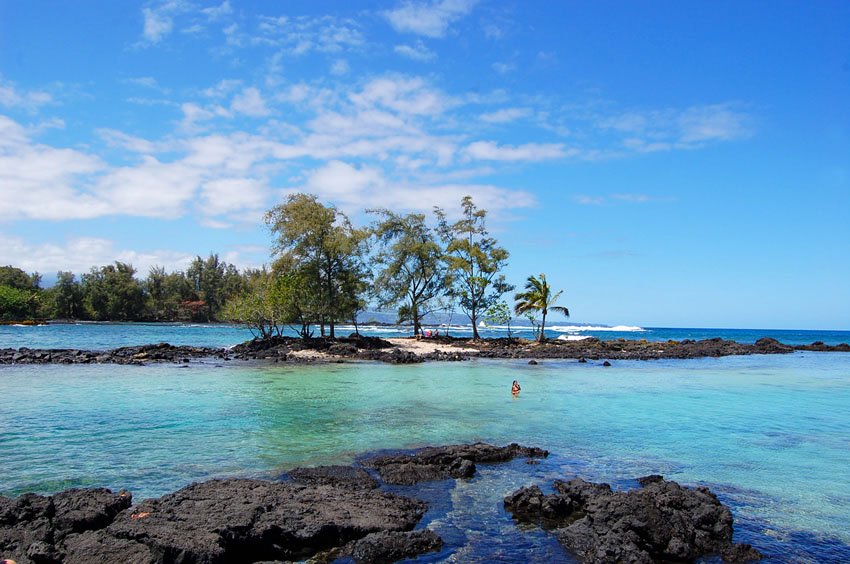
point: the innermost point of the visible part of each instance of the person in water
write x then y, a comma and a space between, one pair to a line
515, 388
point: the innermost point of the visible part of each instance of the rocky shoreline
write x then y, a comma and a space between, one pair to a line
331, 512
356, 347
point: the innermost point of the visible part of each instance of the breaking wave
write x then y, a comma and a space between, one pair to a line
581, 328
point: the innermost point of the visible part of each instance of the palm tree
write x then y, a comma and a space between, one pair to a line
538, 297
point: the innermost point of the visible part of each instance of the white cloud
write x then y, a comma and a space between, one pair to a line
430, 19
489, 151
217, 12
146, 82
39, 181
340, 67
503, 68
223, 195
301, 35
223, 88
672, 128
80, 254
411, 96
250, 103
11, 97
159, 19
417, 52
357, 188
506, 115
217, 175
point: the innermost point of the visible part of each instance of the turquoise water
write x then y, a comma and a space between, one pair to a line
101, 336
770, 434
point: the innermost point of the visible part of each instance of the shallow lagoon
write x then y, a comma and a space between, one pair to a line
768, 433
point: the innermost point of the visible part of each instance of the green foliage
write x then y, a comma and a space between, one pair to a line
318, 245
17, 304
538, 296
67, 297
411, 271
16, 278
474, 261
112, 293
499, 314
213, 281
266, 307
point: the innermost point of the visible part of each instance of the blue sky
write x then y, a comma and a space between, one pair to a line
666, 163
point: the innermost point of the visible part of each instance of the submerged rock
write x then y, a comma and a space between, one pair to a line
661, 521
384, 547
440, 463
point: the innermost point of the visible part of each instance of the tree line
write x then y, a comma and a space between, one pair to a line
324, 271
113, 293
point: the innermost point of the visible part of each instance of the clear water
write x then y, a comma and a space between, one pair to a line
770, 434
102, 336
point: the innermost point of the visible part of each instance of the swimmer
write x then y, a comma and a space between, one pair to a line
515, 388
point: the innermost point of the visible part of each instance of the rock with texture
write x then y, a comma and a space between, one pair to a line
440, 463
661, 521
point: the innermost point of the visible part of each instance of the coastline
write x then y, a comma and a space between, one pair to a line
366, 512
408, 350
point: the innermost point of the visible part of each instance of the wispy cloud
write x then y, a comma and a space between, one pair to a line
671, 128
430, 19
628, 198
506, 115
13, 98
300, 35
490, 151
159, 19
417, 52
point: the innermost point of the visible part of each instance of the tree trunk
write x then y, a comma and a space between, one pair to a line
331, 324
541, 338
474, 319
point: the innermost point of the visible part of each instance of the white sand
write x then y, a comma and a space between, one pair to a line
425, 346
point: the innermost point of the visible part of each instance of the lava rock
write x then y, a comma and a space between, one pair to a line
662, 521
32, 527
253, 520
345, 476
385, 547
440, 463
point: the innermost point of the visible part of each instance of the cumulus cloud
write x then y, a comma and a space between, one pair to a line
406, 95
80, 254
430, 19
354, 188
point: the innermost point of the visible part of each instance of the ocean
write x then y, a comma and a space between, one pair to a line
769, 434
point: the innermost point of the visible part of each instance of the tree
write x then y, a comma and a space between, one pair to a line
318, 244
412, 270
538, 296
499, 314
112, 293
67, 296
267, 307
474, 261
17, 304
18, 279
